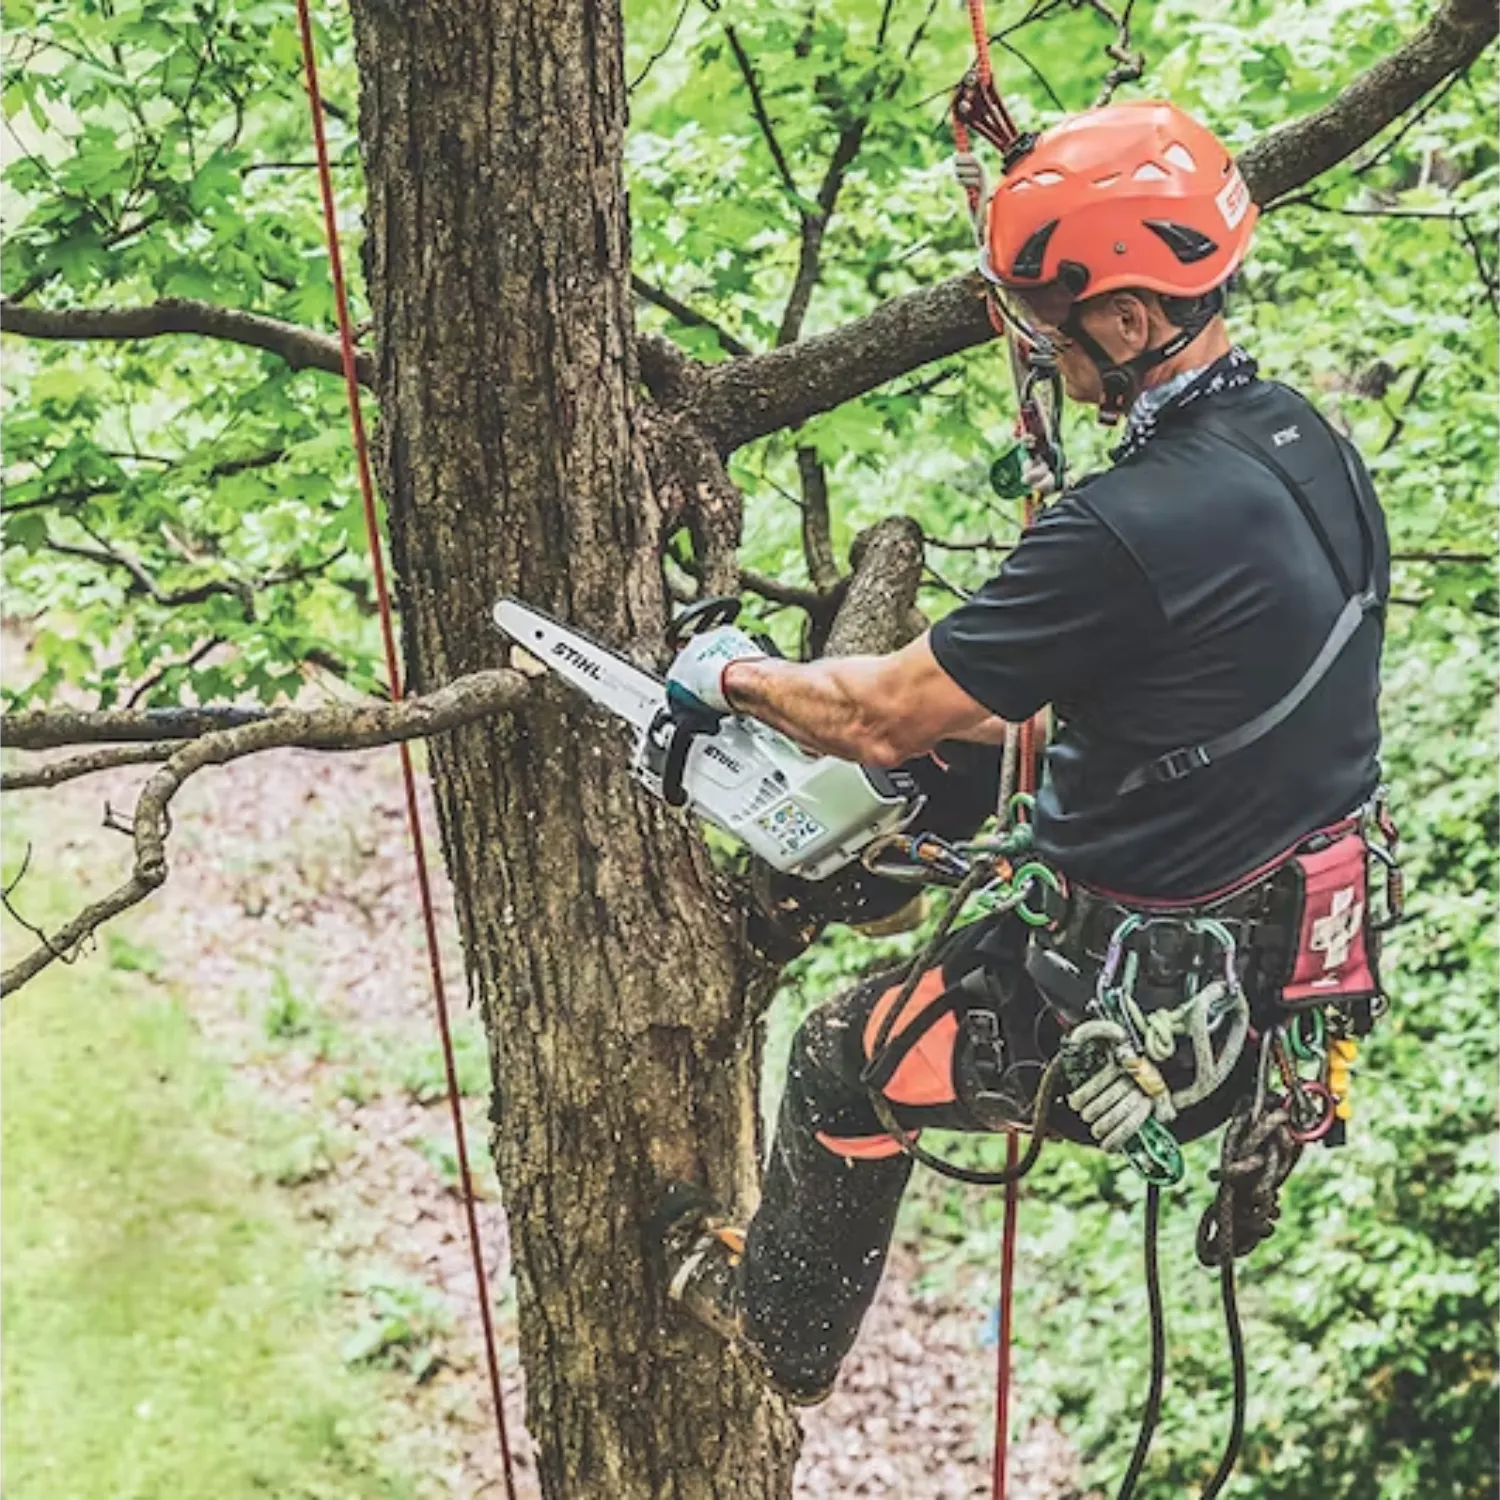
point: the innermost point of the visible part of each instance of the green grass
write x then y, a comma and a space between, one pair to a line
167, 1332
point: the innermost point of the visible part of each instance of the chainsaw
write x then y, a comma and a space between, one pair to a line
805, 815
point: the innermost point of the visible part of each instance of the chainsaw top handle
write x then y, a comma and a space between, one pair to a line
706, 614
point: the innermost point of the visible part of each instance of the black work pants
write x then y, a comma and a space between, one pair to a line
816, 1249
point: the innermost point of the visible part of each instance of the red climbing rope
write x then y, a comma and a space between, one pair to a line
1030, 737
408, 776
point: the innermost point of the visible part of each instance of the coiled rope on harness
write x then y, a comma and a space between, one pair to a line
408, 775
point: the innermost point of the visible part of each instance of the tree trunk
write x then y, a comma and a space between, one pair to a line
614, 979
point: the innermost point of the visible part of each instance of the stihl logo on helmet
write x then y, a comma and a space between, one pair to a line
1233, 199
1131, 195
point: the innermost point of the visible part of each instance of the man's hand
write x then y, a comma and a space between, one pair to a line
695, 681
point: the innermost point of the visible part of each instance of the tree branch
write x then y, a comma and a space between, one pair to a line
301, 348
686, 315
58, 771
817, 526
815, 226
749, 398
876, 615
762, 116
338, 727
222, 470
1443, 557
1297, 152
232, 588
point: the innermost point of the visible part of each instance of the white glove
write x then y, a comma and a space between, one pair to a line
695, 681
1039, 478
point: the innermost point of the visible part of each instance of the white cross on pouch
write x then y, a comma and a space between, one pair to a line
1333, 935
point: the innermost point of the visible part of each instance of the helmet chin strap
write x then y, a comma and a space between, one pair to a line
1120, 384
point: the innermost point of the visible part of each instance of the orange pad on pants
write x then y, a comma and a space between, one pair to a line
925, 1074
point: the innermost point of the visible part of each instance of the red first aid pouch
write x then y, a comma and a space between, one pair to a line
1334, 958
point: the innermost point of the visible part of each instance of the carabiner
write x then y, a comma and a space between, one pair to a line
1023, 879
1306, 1047
1326, 1118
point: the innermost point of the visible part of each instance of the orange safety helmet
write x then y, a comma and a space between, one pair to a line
1131, 195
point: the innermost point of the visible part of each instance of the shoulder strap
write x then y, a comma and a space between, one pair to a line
1186, 759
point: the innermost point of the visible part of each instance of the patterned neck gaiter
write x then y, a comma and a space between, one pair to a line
1225, 374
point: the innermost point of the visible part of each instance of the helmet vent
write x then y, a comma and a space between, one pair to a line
1108, 181
1180, 156
1148, 171
1046, 177
1185, 242
1028, 264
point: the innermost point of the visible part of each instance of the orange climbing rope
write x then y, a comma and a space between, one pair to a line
408, 776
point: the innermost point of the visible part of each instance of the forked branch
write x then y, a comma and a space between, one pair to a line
336, 727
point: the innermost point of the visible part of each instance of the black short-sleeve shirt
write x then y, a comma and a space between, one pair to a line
1169, 600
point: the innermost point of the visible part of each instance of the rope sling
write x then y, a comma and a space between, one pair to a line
408, 776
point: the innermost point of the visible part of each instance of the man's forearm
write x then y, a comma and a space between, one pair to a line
990, 731
825, 705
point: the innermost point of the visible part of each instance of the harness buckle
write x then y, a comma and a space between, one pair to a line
1176, 764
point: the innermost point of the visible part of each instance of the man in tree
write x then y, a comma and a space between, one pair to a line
1199, 616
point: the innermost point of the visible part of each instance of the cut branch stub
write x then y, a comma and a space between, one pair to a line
876, 616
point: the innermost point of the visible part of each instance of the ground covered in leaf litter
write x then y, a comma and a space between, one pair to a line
290, 925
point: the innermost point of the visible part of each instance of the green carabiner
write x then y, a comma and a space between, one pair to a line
1022, 879
1306, 1047
1154, 1153
1020, 802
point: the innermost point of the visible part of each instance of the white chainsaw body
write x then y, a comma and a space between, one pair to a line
806, 815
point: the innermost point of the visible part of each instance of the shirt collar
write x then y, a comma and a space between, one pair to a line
1229, 371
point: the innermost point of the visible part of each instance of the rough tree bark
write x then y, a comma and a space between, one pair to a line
615, 986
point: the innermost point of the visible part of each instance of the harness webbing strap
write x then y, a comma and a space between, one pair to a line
1186, 759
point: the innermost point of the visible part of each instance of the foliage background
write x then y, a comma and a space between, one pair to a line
158, 148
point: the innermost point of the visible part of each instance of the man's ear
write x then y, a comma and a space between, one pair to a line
1132, 319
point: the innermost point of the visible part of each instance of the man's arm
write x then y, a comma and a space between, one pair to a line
877, 710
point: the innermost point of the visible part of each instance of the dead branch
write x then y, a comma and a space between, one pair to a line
748, 398
817, 527
302, 348
1129, 61
689, 317
59, 771
336, 727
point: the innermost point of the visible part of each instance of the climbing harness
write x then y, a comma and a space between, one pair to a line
408, 776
